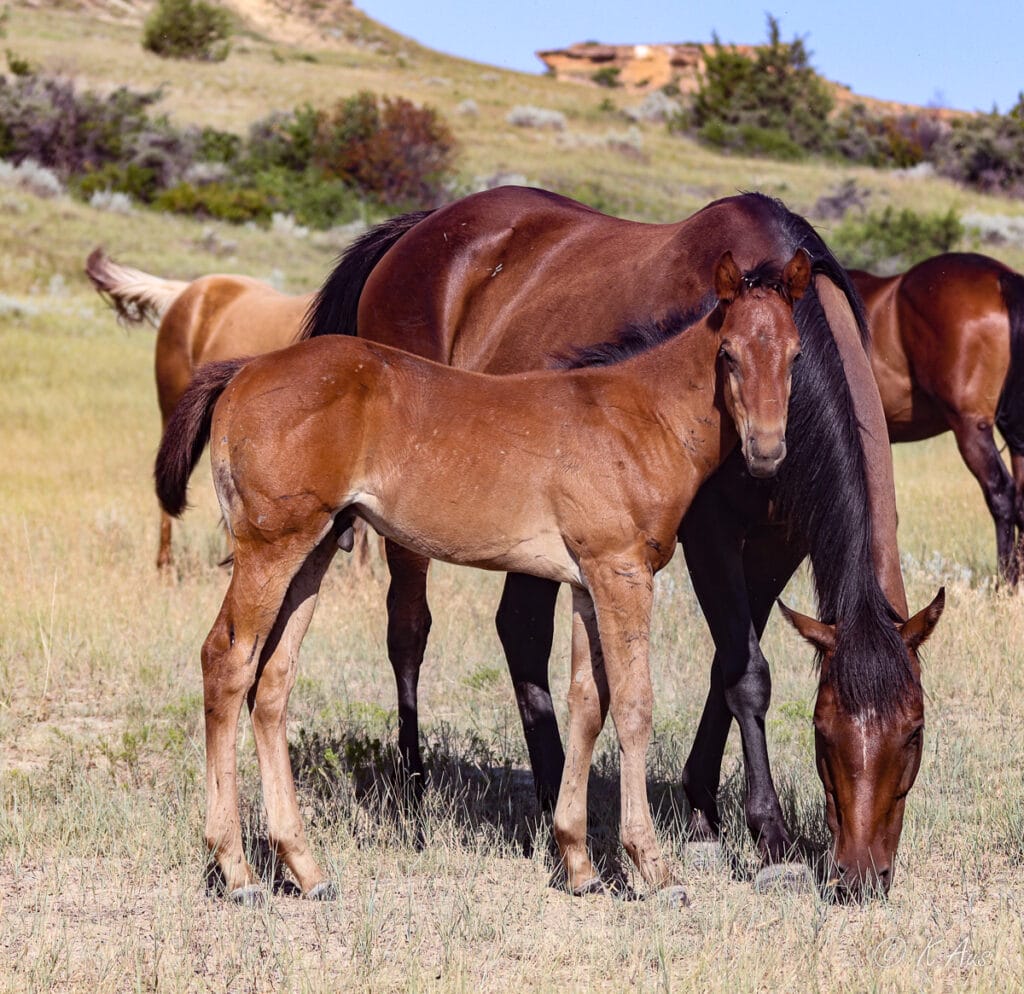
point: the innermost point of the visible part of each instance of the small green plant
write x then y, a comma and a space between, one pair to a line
188, 29
607, 76
19, 66
894, 240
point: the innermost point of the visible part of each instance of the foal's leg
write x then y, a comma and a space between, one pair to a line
408, 628
978, 449
525, 623
588, 706
623, 592
268, 702
1017, 465
231, 655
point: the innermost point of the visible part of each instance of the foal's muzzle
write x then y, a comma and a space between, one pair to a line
764, 458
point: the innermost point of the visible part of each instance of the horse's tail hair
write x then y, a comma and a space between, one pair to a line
135, 295
1010, 410
333, 310
188, 431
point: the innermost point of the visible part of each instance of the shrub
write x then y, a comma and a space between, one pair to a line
536, 117
891, 241
223, 201
390, 148
771, 104
986, 152
900, 140
188, 29
607, 76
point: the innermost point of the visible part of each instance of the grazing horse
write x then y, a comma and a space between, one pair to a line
947, 350
213, 317
579, 477
501, 280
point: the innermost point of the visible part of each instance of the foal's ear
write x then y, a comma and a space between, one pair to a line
797, 275
728, 278
820, 635
915, 632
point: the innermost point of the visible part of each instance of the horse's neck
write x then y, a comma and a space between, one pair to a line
677, 383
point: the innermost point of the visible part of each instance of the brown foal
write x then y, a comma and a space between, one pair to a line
579, 476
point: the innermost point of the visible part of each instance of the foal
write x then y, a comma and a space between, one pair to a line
580, 477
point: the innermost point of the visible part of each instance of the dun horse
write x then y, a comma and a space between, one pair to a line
947, 350
213, 317
579, 477
500, 281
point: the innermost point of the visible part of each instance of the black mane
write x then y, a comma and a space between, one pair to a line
821, 491
642, 336
634, 339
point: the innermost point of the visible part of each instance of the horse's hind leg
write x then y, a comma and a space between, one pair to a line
588, 706
525, 623
978, 450
268, 702
408, 628
231, 656
1017, 465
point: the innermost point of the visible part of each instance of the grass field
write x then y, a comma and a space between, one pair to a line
102, 867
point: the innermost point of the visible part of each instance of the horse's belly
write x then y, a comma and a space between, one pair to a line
459, 538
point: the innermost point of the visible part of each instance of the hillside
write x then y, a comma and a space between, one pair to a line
291, 52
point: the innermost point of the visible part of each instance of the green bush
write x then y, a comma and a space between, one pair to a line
223, 201
774, 102
891, 241
607, 76
899, 140
188, 29
986, 152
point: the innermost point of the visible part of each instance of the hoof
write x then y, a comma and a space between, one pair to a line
796, 878
250, 896
705, 856
672, 897
595, 885
323, 891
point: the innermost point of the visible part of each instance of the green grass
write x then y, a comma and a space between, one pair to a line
102, 866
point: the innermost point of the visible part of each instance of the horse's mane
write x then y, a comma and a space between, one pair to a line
633, 339
821, 492
640, 336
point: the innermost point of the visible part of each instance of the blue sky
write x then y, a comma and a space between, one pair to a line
964, 55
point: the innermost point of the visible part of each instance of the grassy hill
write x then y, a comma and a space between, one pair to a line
633, 169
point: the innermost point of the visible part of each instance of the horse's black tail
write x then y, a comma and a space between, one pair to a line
1010, 410
188, 431
333, 311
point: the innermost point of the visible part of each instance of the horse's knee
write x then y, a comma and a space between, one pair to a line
751, 693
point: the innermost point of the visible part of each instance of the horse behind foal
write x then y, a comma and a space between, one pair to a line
580, 477
214, 317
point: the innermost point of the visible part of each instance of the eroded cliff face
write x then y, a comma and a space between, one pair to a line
644, 68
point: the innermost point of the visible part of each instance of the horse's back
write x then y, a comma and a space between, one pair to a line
501, 280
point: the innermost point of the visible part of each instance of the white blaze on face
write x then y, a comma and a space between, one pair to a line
862, 722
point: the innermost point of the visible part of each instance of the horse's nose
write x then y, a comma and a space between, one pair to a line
765, 457
856, 883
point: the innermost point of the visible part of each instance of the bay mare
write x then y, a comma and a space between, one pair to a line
579, 477
947, 352
502, 280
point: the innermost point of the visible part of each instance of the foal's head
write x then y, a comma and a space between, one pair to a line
759, 344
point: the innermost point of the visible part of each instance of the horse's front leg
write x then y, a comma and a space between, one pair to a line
622, 589
408, 628
525, 623
737, 576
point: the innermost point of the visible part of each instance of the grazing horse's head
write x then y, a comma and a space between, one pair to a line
867, 757
759, 344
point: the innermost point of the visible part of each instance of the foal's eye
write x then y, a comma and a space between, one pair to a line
725, 354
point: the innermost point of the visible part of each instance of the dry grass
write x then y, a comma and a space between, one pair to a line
102, 871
